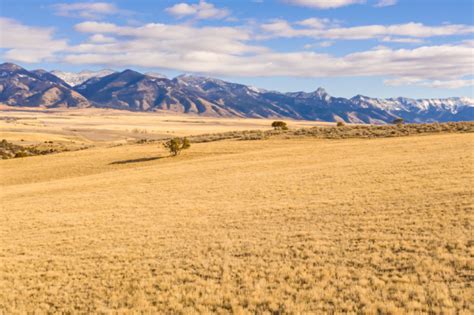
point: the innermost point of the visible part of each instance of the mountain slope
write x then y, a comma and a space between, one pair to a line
135, 91
20, 87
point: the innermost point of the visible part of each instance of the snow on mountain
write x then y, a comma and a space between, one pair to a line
215, 97
76, 78
452, 104
156, 75
256, 89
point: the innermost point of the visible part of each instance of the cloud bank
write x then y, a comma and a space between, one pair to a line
242, 50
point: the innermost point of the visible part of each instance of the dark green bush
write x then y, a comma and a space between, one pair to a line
176, 145
21, 154
398, 121
279, 125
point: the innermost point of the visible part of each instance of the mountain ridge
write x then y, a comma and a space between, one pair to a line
191, 94
19, 87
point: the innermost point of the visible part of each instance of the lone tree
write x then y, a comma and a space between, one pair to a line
175, 145
398, 121
279, 125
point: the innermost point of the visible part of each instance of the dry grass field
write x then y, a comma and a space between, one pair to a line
298, 225
105, 126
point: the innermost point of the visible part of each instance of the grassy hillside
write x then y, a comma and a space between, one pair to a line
283, 225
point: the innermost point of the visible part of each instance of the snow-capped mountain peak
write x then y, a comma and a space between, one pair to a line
156, 75
76, 78
320, 91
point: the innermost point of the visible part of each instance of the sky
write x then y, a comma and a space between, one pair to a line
379, 48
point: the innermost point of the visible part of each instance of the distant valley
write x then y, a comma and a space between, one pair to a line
189, 94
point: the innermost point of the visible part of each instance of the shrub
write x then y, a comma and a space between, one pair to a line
398, 121
257, 135
176, 145
21, 154
279, 125
340, 124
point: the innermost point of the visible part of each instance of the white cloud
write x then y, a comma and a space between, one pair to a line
100, 38
469, 42
451, 84
202, 10
318, 29
324, 4
99, 27
385, 3
182, 9
86, 10
323, 44
26, 43
280, 28
445, 84
175, 38
408, 29
404, 40
326, 43
331, 4
227, 51
317, 23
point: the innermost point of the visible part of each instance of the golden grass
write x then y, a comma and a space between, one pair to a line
105, 126
293, 226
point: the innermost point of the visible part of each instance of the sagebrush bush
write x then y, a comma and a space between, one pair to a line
398, 121
279, 125
21, 154
176, 145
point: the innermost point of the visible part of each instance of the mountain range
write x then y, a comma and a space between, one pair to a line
189, 94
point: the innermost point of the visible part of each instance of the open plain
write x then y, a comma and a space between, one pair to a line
107, 126
298, 225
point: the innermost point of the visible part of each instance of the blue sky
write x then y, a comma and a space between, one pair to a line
380, 48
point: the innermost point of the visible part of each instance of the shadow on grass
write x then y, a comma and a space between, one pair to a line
137, 160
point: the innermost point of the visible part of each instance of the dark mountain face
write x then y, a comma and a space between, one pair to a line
125, 90
20, 87
132, 90
318, 105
